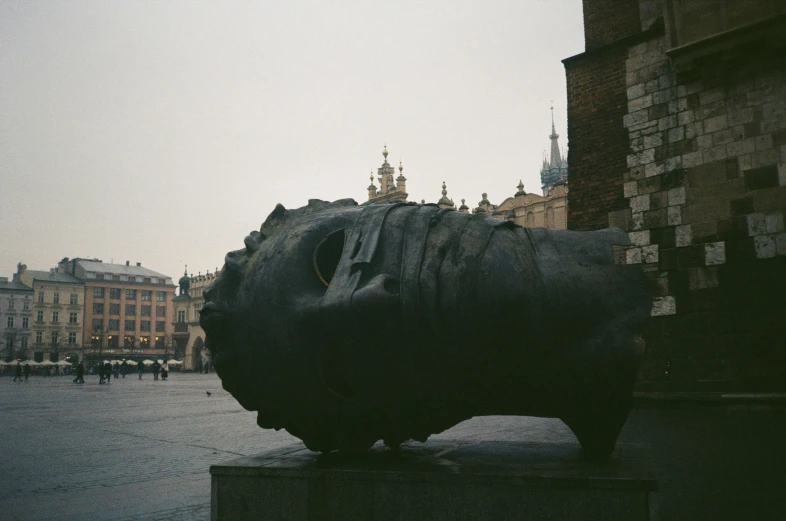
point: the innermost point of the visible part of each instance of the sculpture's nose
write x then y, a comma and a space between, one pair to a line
382, 290
212, 318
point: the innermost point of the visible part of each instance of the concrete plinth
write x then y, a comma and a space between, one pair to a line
435, 481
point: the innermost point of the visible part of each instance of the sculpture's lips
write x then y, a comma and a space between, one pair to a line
211, 316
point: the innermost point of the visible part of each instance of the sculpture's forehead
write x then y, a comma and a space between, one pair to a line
309, 226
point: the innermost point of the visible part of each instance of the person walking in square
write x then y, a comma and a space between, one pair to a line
108, 372
124, 368
80, 373
164, 370
116, 369
155, 367
18, 372
140, 368
27, 371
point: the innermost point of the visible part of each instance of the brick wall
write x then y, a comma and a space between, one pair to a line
606, 21
704, 197
597, 100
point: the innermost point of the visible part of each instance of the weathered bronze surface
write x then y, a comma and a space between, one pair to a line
347, 324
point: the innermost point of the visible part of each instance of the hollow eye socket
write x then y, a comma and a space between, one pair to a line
327, 254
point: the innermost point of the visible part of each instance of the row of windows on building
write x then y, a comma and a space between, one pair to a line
130, 309
54, 339
114, 324
129, 325
73, 318
181, 314
112, 340
11, 322
128, 278
114, 294
72, 300
129, 342
12, 304
98, 309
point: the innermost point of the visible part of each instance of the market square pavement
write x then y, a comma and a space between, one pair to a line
141, 450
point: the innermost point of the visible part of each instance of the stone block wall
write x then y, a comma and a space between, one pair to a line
704, 191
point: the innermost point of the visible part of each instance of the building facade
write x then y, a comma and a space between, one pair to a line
128, 309
549, 210
58, 314
16, 319
532, 210
188, 335
677, 125
390, 190
526, 209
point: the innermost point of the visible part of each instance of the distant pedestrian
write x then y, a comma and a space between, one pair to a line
124, 368
164, 371
80, 373
116, 369
108, 372
156, 367
140, 368
18, 372
27, 371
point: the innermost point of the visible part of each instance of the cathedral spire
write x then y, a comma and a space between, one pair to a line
556, 158
555, 163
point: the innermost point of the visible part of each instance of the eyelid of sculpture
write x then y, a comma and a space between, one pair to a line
327, 255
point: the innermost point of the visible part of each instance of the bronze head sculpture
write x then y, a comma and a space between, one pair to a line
347, 324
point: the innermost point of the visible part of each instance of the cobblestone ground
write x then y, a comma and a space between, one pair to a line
141, 450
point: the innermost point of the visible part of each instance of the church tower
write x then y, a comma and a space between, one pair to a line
554, 168
390, 189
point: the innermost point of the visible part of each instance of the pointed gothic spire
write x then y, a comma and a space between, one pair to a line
556, 158
553, 130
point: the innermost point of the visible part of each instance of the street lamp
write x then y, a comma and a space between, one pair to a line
98, 337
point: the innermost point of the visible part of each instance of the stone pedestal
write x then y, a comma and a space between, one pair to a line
438, 480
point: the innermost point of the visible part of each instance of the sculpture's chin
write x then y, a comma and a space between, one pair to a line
232, 381
233, 387
266, 422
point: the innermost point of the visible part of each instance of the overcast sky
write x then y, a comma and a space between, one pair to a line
163, 132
